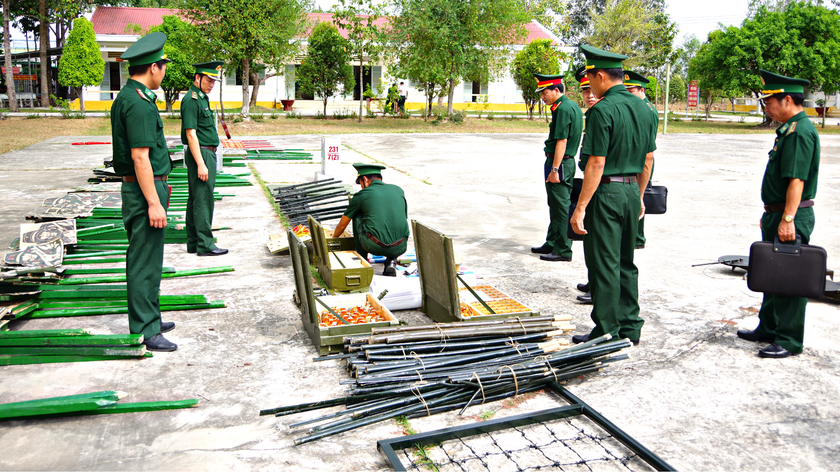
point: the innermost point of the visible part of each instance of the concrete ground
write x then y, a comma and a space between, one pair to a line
691, 392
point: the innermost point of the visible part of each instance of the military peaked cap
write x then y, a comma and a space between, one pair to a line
212, 69
600, 59
580, 76
146, 50
772, 84
545, 81
634, 79
367, 169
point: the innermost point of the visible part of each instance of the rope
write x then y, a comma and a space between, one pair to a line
519, 320
544, 359
418, 358
405, 358
443, 337
514, 345
515, 382
481, 387
420, 397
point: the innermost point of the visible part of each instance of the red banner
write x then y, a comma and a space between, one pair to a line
24, 77
693, 93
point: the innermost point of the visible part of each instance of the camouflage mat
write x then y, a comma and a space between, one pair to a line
41, 233
75, 205
43, 255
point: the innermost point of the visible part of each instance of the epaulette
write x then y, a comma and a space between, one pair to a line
194, 96
792, 128
143, 95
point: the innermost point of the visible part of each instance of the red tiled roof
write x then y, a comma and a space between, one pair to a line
115, 20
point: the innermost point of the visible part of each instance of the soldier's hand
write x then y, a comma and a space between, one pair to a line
553, 178
157, 216
203, 173
642, 212
787, 231
577, 220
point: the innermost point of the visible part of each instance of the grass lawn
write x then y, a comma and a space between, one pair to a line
21, 132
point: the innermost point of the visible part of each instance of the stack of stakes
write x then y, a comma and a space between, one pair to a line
423, 370
95, 403
67, 345
323, 200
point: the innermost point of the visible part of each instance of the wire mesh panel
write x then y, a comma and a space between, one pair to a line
571, 444
569, 438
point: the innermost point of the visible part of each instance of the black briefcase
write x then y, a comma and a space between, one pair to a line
577, 184
569, 232
790, 269
656, 199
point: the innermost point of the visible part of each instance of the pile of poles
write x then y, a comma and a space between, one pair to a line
324, 200
423, 370
67, 345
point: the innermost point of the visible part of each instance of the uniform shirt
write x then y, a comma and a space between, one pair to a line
196, 114
383, 210
566, 123
584, 158
618, 128
655, 117
135, 123
795, 155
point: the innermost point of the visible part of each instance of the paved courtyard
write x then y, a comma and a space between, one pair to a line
691, 392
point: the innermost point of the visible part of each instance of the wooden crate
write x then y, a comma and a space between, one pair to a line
438, 280
500, 302
328, 339
343, 271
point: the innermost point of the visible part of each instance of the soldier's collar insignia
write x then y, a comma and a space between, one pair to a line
201, 94
783, 129
554, 107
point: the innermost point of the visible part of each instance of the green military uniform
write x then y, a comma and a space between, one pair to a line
634, 79
618, 128
566, 123
380, 216
795, 155
196, 114
136, 123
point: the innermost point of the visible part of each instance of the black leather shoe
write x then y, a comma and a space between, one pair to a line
554, 258
390, 267
159, 343
191, 251
774, 351
751, 336
586, 298
541, 250
167, 326
583, 287
640, 246
635, 342
215, 252
580, 338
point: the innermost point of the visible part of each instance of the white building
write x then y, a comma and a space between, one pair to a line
114, 27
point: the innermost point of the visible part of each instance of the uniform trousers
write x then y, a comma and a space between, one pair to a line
144, 258
365, 246
783, 318
559, 199
612, 222
200, 203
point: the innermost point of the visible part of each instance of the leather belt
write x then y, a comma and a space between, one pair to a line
209, 148
781, 206
132, 178
550, 155
372, 238
619, 179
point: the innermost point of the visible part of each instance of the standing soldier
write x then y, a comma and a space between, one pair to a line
589, 99
787, 190
198, 132
610, 204
142, 159
636, 84
559, 168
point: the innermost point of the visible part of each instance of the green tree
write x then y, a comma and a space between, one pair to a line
180, 73
538, 57
467, 39
13, 106
549, 13
326, 65
359, 19
686, 52
81, 64
639, 30
243, 32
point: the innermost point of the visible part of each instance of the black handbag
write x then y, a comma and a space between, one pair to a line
656, 199
790, 269
577, 184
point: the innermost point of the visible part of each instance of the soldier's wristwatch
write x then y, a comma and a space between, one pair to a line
788, 218
555, 169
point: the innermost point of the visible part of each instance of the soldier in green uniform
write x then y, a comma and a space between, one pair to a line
787, 190
379, 214
559, 168
616, 147
198, 133
142, 159
636, 84
589, 99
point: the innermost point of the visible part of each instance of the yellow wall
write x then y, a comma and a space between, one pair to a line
105, 105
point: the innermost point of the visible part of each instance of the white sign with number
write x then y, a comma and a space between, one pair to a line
330, 156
